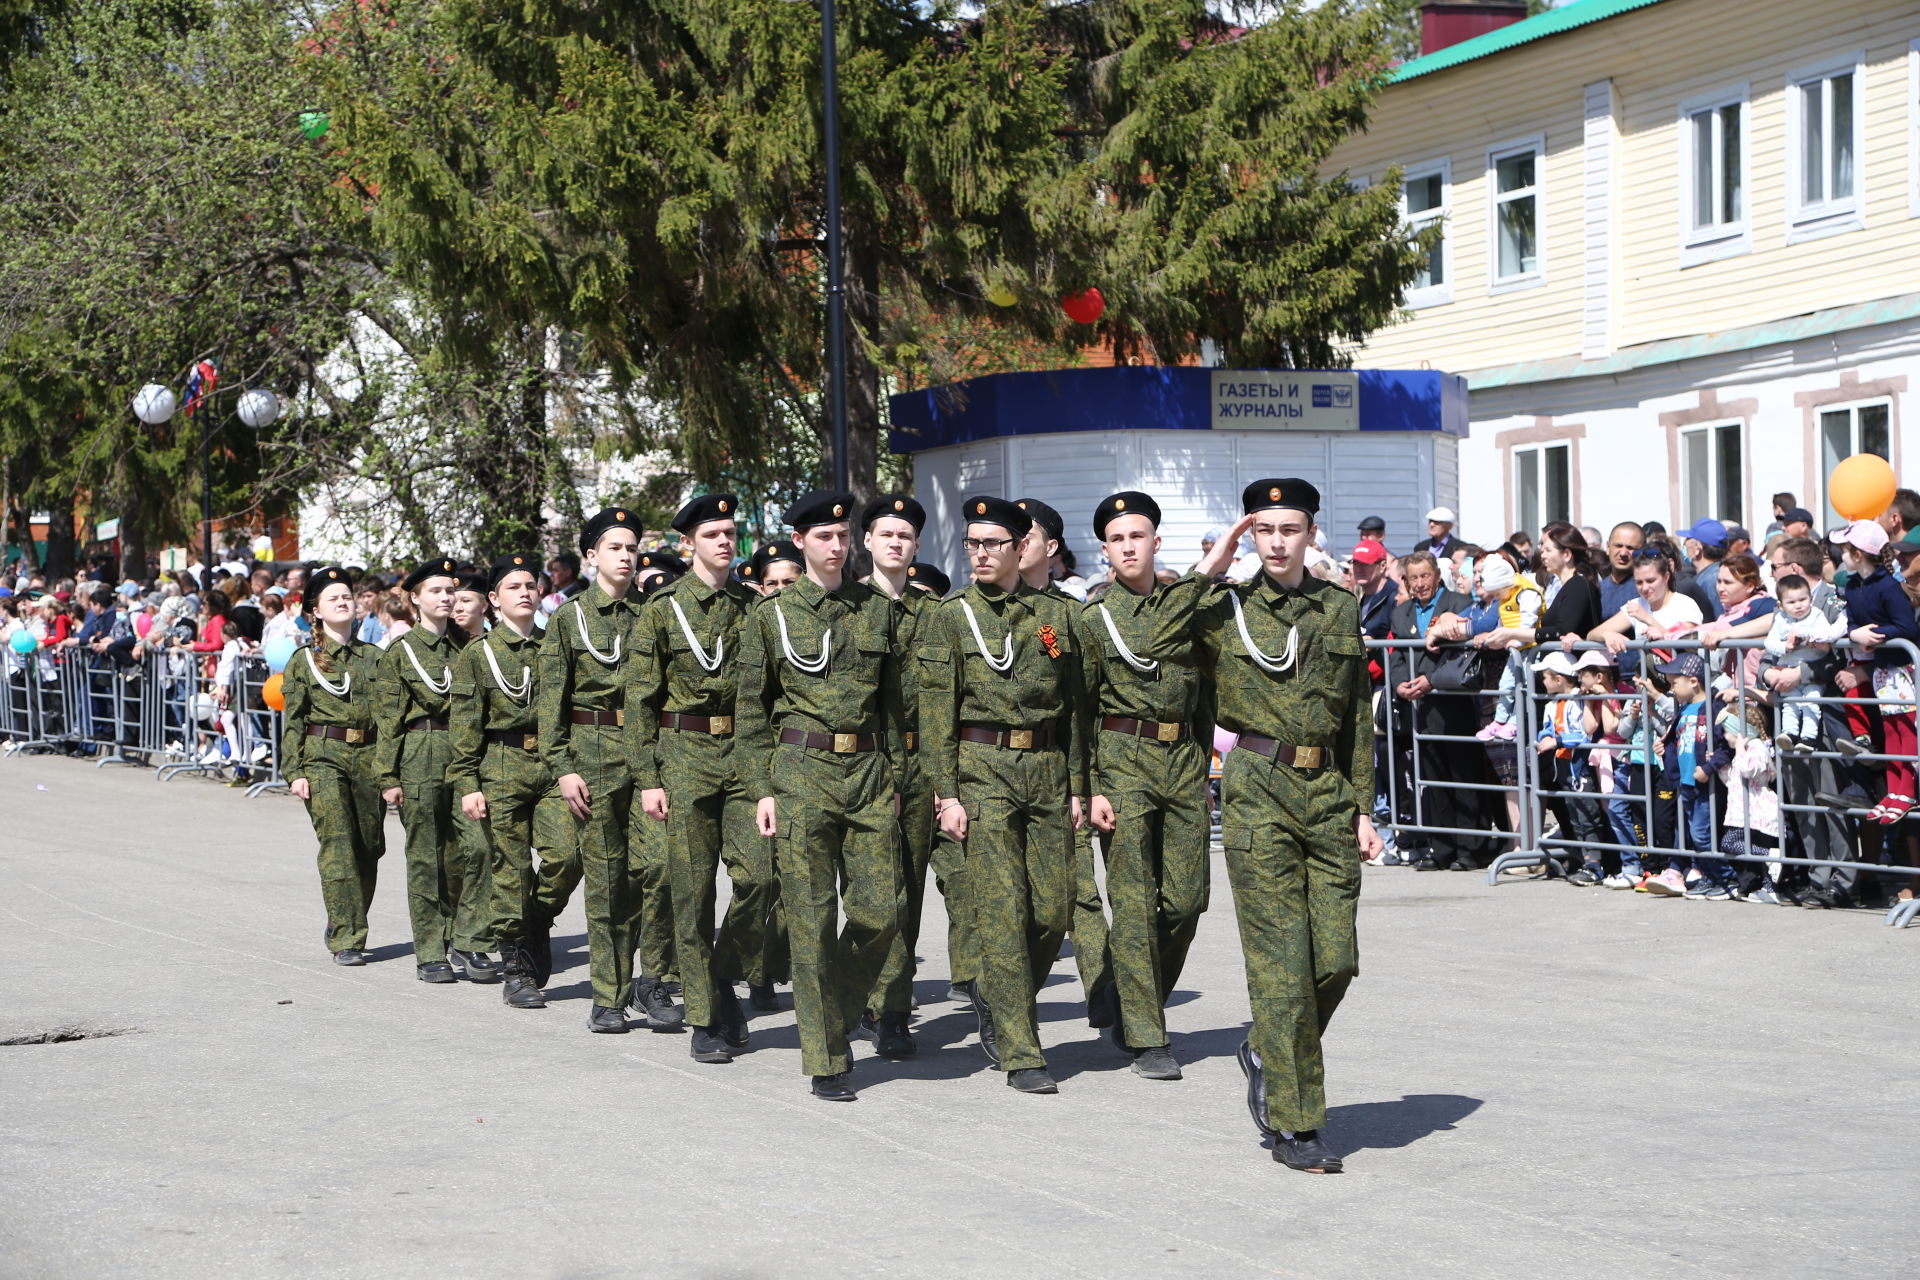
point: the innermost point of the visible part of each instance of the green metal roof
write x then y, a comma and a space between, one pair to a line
1551, 23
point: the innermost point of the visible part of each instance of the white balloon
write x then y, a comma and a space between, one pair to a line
154, 404
259, 407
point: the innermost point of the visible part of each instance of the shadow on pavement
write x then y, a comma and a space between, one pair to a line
1361, 1125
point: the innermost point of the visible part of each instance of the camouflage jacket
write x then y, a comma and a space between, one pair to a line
570, 678
355, 668
668, 674
481, 703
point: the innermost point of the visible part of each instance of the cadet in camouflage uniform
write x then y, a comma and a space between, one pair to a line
890, 527
579, 696
1152, 741
1290, 675
506, 791
948, 857
1088, 931
681, 726
651, 932
820, 727
1004, 746
329, 687
448, 890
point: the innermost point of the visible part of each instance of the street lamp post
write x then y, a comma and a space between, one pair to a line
257, 408
836, 288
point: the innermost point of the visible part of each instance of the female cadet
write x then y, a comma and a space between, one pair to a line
329, 726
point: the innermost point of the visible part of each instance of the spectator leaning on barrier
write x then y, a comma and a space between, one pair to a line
1797, 635
1567, 725
1878, 614
1752, 815
1745, 614
1518, 601
1616, 584
1657, 613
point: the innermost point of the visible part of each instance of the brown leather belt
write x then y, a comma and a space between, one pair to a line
719, 725
842, 743
1157, 730
1298, 757
606, 719
352, 737
1039, 739
513, 738
420, 724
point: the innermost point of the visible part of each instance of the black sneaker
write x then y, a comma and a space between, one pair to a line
607, 1021
708, 1046
1306, 1152
1585, 876
867, 1028
1032, 1080
763, 997
1256, 1088
649, 998
730, 1020
835, 1088
353, 957
895, 1041
1156, 1064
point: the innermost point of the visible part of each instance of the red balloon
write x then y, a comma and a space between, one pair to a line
1084, 307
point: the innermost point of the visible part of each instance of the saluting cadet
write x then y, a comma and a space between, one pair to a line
1089, 927
681, 727
773, 565
448, 891
820, 727
578, 703
890, 528
1148, 754
1002, 743
1290, 675
506, 790
329, 688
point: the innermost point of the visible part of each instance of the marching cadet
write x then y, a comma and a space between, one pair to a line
890, 528
1004, 749
1089, 927
579, 700
472, 612
820, 728
506, 790
1290, 675
929, 579
681, 729
774, 565
448, 890
658, 569
1148, 755
654, 982
329, 689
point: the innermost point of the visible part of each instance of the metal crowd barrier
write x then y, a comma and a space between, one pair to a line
1796, 774
164, 710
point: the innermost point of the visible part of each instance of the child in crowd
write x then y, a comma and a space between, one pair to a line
1566, 728
1800, 634
1752, 820
1878, 613
1646, 722
1519, 602
1696, 751
1608, 762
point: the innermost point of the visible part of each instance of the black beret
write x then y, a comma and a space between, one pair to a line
672, 563
819, 506
922, 574
474, 582
981, 509
1292, 493
709, 506
1044, 516
504, 567
1127, 503
320, 579
779, 549
437, 567
610, 518
894, 504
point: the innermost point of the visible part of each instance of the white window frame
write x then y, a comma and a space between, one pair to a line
1913, 128
1821, 508
1717, 510
1442, 293
1496, 283
1721, 239
1809, 221
1532, 458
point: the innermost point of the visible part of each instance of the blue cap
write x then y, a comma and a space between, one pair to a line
1709, 532
1685, 664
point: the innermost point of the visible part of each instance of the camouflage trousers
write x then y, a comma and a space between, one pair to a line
1092, 955
612, 900
1019, 882
449, 893
349, 820
710, 822
1295, 869
525, 816
893, 990
839, 853
1156, 861
650, 897
949, 862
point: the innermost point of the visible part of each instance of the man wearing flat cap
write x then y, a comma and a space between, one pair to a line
1148, 752
820, 731
1004, 747
449, 894
505, 789
1290, 678
580, 714
680, 722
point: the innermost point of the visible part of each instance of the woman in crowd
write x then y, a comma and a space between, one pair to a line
1660, 612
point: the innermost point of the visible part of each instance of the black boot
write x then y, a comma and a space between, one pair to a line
539, 945
607, 1021
1103, 1005
835, 1088
895, 1041
519, 991
989, 1039
762, 996
707, 1045
476, 966
730, 1020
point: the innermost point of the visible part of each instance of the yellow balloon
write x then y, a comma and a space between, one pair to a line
1861, 487
1001, 296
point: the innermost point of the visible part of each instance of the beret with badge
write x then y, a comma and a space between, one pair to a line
929, 578
1290, 493
320, 579
666, 560
506, 566
706, 507
1126, 503
755, 569
982, 509
818, 507
436, 567
894, 504
1045, 516
610, 518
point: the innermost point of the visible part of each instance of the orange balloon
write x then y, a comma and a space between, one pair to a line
1861, 487
272, 694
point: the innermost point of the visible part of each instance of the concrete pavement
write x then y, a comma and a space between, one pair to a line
1528, 1080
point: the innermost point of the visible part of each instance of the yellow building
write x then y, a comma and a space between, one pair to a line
1681, 261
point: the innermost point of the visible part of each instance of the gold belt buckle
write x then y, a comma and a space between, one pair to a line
355, 737
619, 719
528, 742
1020, 739
845, 743
720, 724
1308, 757
1167, 732
913, 741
